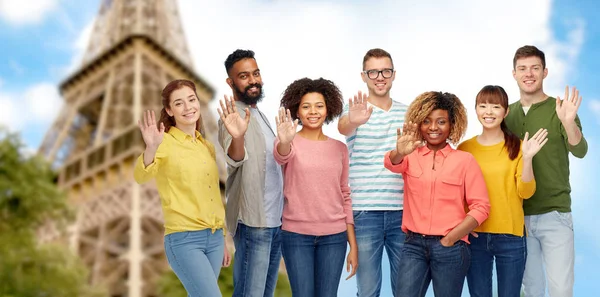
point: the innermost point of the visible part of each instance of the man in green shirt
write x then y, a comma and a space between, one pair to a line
548, 220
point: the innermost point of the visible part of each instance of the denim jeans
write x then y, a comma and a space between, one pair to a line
374, 231
425, 259
314, 263
196, 258
550, 245
256, 261
510, 253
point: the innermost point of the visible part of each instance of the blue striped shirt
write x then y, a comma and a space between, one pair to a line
373, 186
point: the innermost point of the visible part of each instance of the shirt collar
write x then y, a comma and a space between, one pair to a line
424, 150
182, 136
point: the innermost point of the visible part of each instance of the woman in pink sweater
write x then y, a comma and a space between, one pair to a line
317, 214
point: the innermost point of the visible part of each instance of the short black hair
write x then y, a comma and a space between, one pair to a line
236, 56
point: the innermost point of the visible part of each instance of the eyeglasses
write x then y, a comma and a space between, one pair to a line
374, 74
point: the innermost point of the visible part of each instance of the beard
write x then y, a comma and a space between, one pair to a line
245, 95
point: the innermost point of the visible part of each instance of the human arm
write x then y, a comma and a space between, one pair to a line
358, 113
352, 259
236, 127
478, 203
566, 110
148, 163
286, 131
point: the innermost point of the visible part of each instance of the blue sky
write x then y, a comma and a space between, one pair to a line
456, 47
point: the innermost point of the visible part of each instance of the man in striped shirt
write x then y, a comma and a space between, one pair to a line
370, 124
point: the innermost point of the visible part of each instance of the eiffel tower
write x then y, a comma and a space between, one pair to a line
135, 49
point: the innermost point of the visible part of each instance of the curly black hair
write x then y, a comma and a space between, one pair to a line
236, 56
295, 91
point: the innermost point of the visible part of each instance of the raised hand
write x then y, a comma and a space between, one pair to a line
408, 140
286, 128
235, 125
530, 147
358, 112
152, 135
566, 109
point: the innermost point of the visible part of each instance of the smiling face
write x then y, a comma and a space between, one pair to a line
379, 86
529, 73
435, 129
312, 111
245, 81
184, 107
490, 115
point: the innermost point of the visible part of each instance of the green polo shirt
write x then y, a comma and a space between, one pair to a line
551, 163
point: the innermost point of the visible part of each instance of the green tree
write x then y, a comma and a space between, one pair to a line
29, 198
170, 286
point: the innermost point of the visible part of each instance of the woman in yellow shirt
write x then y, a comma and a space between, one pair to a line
507, 169
184, 166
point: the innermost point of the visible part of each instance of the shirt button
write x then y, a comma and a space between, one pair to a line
209, 187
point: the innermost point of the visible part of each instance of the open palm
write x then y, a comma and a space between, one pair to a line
235, 125
408, 140
286, 128
566, 109
151, 133
358, 110
532, 146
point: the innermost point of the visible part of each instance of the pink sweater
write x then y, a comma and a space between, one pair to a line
317, 195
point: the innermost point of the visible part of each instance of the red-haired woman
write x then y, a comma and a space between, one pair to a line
183, 163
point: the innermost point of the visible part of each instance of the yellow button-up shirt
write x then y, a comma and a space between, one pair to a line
188, 182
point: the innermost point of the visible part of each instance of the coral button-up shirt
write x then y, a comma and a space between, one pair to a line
438, 188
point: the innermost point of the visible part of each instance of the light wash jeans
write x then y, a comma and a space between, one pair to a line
256, 261
550, 245
196, 258
374, 231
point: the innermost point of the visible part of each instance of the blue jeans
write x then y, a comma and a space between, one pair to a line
256, 261
510, 253
550, 254
314, 263
374, 231
425, 259
196, 258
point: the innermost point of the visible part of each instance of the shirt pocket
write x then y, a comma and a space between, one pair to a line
413, 183
451, 188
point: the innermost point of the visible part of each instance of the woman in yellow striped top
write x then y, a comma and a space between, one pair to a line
507, 168
184, 166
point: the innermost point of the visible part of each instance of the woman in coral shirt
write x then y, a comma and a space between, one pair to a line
439, 184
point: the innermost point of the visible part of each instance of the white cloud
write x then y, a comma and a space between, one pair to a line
26, 12
43, 102
456, 47
79, 47
595, 108
38, 104
8, 113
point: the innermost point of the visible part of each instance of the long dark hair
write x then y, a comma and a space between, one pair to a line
165, 118
496, 95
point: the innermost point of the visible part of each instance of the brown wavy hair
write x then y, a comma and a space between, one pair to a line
497, 95
168, 120
427, 102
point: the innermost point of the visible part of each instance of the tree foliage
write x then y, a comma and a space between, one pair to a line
29, 198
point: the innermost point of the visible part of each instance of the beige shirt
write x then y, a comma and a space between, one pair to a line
246, 178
